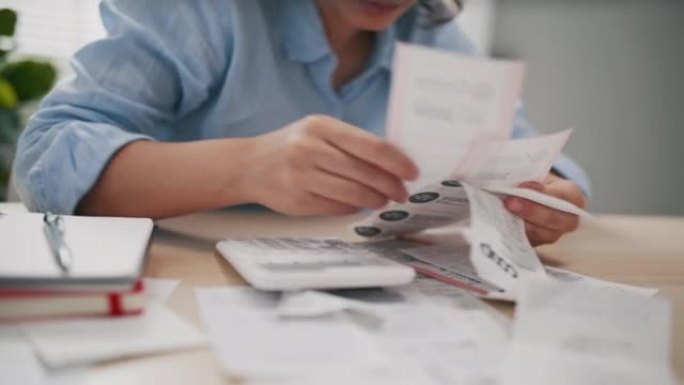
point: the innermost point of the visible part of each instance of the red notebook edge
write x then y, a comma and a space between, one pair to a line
26, 305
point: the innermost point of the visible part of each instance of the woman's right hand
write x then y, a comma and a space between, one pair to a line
321, 166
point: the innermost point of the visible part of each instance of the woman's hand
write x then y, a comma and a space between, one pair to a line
322, 166
544, 224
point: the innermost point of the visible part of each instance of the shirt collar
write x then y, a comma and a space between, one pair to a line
304, 37
384, 48
302, 30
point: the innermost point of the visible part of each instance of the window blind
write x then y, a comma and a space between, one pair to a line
55, 28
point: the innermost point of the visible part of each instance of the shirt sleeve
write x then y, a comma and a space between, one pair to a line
450, 37
158, 63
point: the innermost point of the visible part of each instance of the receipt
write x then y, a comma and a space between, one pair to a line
453, 118
541, 198
448, 261
435, 205
423, 329
251, 339
436, 110
500, 250
568, 333
450, 336
511, 162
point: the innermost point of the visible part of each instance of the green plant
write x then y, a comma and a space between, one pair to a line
21, 82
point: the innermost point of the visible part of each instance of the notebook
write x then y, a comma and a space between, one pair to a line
32, 305
107, 253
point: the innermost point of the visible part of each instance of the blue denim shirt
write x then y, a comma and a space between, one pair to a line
188, 70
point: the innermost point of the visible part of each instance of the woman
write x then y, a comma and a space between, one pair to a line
204, 104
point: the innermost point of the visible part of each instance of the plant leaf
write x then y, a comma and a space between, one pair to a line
8, 97
30, 79
8, 22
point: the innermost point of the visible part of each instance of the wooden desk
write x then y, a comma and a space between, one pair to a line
645, 251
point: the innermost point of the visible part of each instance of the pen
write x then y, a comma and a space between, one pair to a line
54, 233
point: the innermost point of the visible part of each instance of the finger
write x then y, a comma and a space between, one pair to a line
533, 186
369, 148
541, 215
566, 190
540, 236
345, 191
312, 204
339, 163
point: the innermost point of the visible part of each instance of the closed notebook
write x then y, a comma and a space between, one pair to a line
29, 305
107, 253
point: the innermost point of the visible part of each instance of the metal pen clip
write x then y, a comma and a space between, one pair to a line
54, 232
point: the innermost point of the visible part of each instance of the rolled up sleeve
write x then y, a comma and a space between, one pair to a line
157, 64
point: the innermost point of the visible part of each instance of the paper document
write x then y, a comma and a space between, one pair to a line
536, 196
20, 365
448, 260
436, 205
568, 333
253, 340
510, 162
499, 249
293, 338
74, 342
436, 110
159, 290
454, 118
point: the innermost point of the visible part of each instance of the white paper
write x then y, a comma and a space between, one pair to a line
447, 334
252, 340
436, 110
500, 251
449, 262
399, 373
20, 365
419, 324
569, 333
511, 162
538, 197
435, 205
73, 342
478, 313
100, 247
159, 290
569, 276
309, 304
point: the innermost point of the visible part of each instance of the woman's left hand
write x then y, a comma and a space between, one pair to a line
544, 224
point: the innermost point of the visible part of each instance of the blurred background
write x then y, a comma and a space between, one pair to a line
612, 69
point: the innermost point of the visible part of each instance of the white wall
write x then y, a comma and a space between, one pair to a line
614, 71
477, 20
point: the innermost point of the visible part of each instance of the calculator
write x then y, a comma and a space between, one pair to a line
281, 264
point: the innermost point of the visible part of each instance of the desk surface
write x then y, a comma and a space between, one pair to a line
646, 251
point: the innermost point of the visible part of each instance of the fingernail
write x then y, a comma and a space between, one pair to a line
515, 205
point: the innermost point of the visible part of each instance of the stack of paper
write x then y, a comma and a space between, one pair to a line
360, 334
